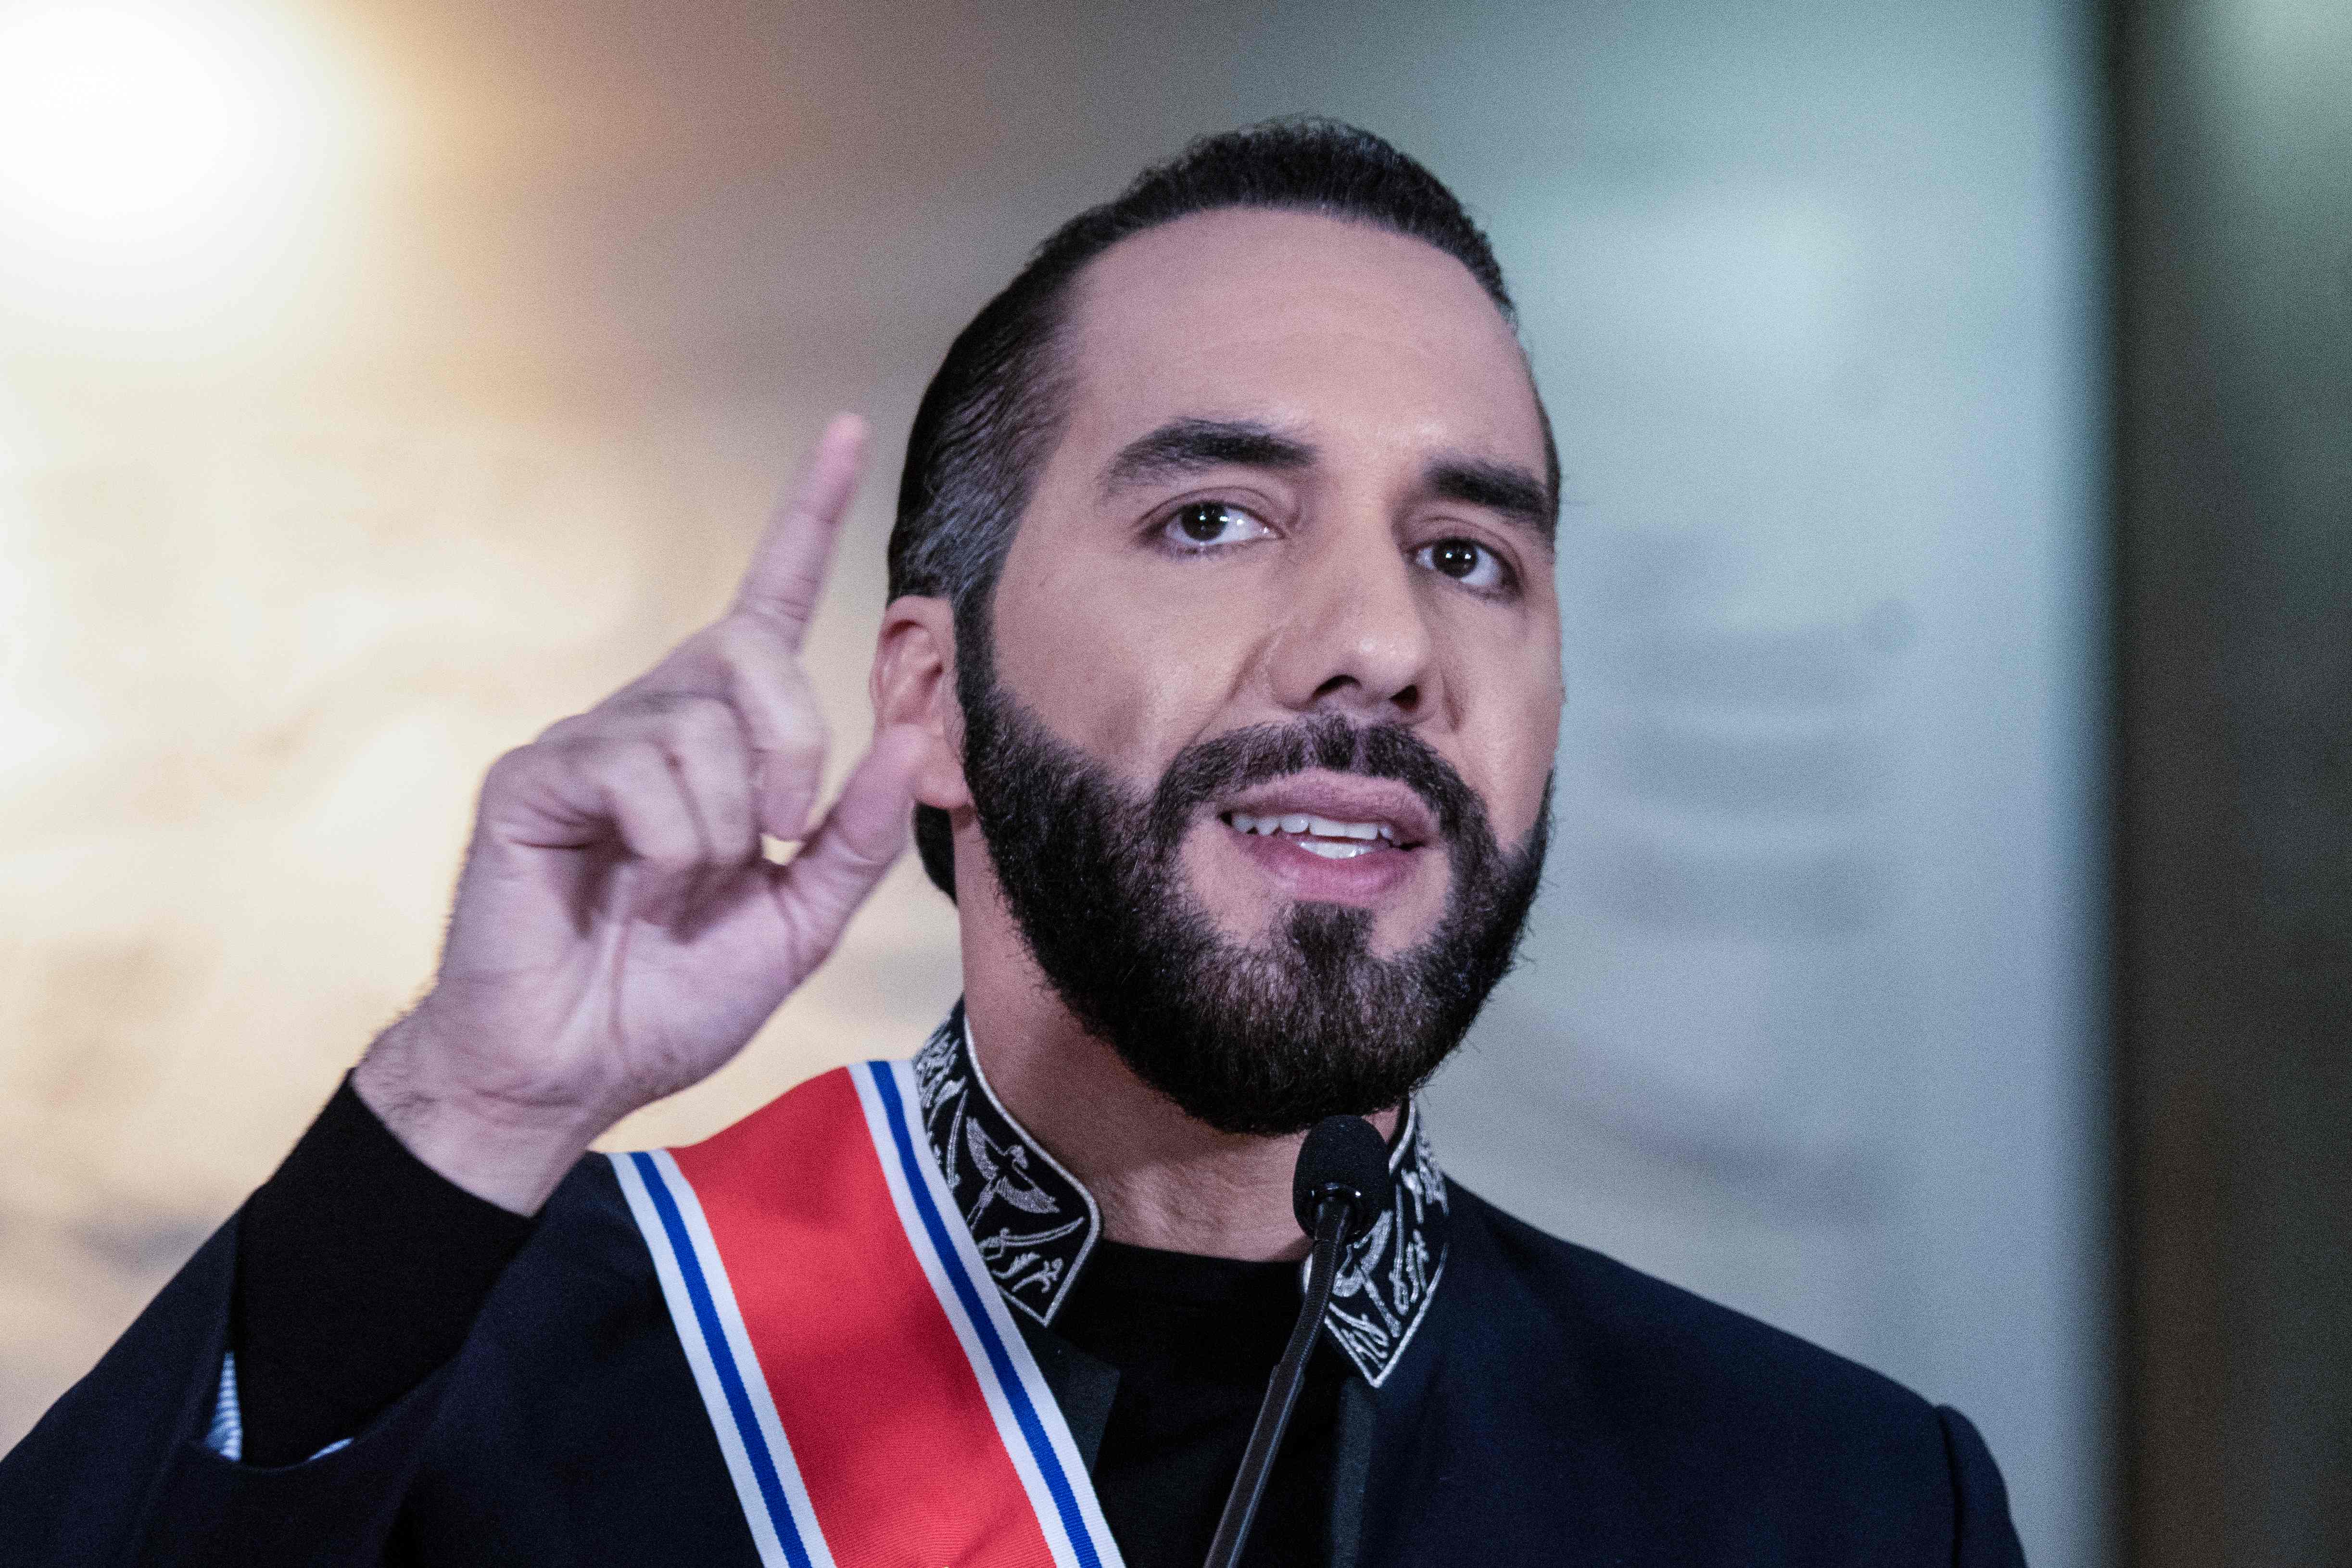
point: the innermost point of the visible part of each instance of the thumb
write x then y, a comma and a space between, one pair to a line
857, 841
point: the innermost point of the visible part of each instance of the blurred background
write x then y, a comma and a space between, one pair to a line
1955, 641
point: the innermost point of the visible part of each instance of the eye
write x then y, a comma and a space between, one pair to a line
1202, 525
1467, 562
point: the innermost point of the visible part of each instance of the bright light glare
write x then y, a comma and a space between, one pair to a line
159, 156
120, 122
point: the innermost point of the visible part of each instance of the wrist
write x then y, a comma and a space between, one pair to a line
507, 1148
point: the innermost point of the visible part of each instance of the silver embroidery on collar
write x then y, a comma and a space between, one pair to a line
1033, 1221
1388, 1274
1036, 1224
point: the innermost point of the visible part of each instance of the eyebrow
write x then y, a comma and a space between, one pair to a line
1184, 446
1507, 489
1190, 446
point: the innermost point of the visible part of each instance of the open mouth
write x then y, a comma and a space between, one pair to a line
1323, 836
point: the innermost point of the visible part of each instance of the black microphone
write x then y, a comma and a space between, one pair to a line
1341, 1179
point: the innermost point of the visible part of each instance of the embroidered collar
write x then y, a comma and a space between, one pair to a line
1036, 1224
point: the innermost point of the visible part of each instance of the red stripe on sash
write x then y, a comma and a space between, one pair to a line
894, 1440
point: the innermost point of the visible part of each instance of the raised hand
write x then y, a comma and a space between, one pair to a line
618, 934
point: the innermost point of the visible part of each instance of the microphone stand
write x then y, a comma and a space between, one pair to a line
1332, 1210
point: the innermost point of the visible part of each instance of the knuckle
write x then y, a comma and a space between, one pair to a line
643, 760
636, 706
513, 759
706, 722
727, 796
763, 672
507, 772
801, 717
631, 704
563, 730
794, 593
582, 751
745, 643
626, 768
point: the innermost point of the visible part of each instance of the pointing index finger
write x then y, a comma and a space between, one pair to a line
787, 574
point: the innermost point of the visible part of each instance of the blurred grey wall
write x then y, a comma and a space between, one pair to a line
1805, 1022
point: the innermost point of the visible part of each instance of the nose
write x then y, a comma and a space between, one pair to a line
1357, 639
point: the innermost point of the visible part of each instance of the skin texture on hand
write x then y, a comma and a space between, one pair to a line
618, 934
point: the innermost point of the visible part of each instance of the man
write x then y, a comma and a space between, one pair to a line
1221, 671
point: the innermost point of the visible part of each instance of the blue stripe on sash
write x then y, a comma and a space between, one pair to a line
722, 1358
1072, 1524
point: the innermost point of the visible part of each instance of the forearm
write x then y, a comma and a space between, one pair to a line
359, 1271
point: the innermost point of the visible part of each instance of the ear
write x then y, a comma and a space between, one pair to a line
913, 682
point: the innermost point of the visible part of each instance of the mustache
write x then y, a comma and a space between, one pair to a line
1208, 771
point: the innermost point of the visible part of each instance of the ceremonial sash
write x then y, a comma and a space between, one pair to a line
873, 1399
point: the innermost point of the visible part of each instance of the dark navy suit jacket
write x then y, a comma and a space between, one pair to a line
1556, 1407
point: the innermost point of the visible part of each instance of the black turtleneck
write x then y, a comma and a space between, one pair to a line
1195, 1340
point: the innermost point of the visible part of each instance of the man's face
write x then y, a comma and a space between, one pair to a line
1294, 543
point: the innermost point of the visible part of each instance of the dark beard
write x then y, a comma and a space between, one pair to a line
1256, 1039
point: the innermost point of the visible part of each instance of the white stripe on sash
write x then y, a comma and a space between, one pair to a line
734, 1390
1029, 1420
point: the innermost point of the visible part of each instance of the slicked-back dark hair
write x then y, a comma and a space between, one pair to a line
992, 413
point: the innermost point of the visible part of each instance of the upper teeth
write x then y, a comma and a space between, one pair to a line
1320, 827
